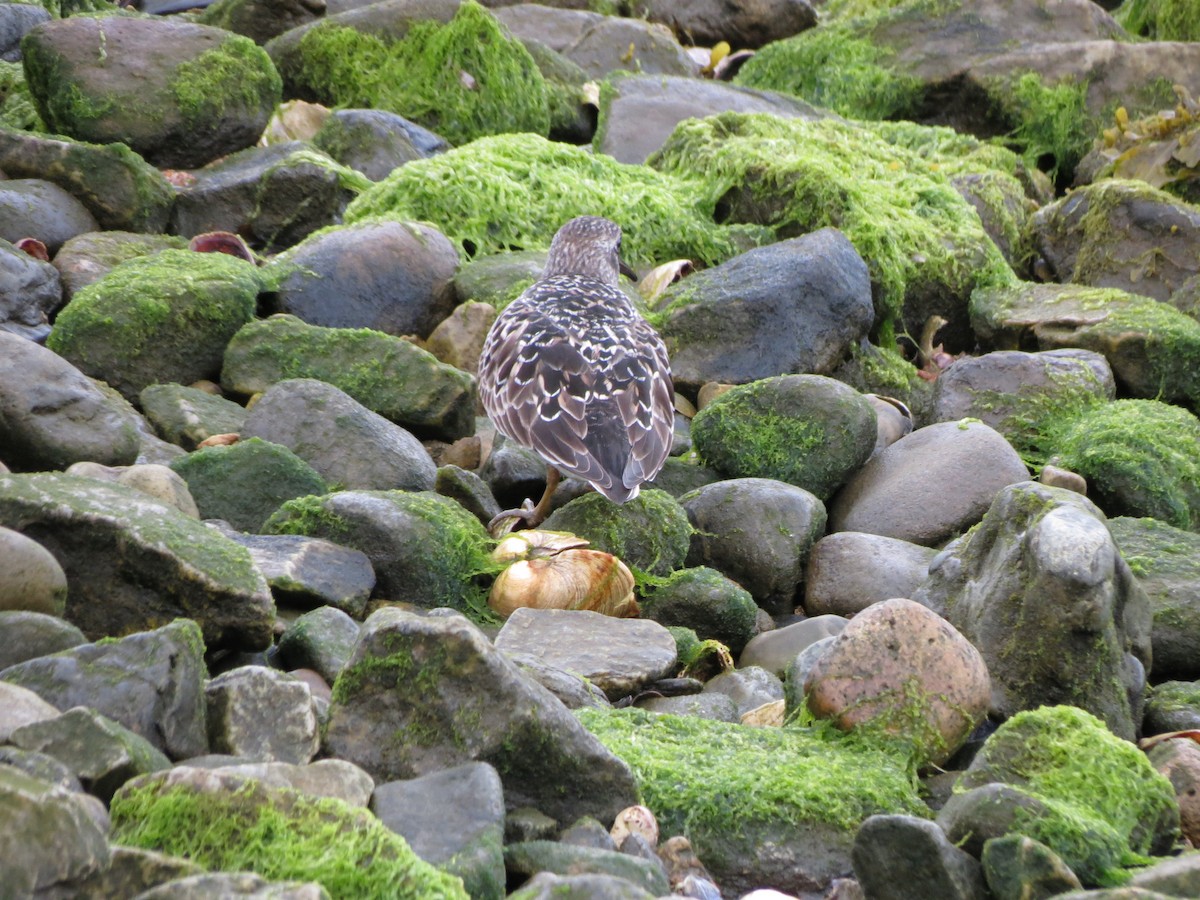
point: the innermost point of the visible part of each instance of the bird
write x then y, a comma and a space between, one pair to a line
572, 371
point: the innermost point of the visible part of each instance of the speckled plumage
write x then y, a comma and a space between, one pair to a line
572, 371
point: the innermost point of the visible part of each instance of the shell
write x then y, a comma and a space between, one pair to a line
527, 544
571, 579
635, 820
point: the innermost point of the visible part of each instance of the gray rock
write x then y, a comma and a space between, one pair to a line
27, 635
468, 703
1019, 866
745, 25
757, 532
52, 415
572, 689
127, 72
41, 766
152, 479
557, 26
233, 884
794, 307
1172, 706
1041, 583
458, 338
132, 562
512, 472
500, 277
548, 886
15, 20
86, 258
850, 570
718, 707
531, 857
375, 141
50, 834
347, 444
930, 485
1177, 877
261, 20
406, 384
795, 676
150, 682
639, 112
101, 753
19, 706
31, 207
130, 872
30, 290
261, 713
905, 858
453, 819
1165, 561
321, 640
748, 687
707, 602
187, 415
775, 650
619, 656
334, 778
605, 47
468, 490
31, 580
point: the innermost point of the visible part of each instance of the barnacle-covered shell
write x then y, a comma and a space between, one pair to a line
570, 578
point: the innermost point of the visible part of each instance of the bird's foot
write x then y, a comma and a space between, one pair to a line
529, 515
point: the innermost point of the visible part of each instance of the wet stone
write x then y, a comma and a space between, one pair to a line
261, 713
321, 640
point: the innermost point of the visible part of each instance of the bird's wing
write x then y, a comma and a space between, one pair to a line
646, 405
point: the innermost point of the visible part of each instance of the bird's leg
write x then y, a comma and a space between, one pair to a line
532, 516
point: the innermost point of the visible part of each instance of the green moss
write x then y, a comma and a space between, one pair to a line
61, 9
235, 73
712, 781
913, 229
705, 600
281, 835
1111, 806
1140, 457
1176, 697
463, 79
834, 67
17, 109
1162, 20
1053, 128
514, 192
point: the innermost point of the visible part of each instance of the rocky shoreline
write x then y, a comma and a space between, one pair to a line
911, 611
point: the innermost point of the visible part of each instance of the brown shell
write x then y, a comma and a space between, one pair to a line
573, 579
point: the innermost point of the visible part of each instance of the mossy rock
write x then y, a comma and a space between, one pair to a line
1140, 457
649, 533
426, 549
160, 318
465, 79
386, 374
924, 244
1106, 805
1160, 20
707, 602
187, 415
751, 800
807, 430
513, 192
1173, 706
279, 833
17, 109
244, 483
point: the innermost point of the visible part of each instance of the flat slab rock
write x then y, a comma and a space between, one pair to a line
617, 655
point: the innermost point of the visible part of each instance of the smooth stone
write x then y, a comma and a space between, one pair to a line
20, 706
616, 44
532, 857
157, 481
375, 141
31, 579
850, 570
1016, 867
902, 857
30, 207
187, 415
775, 650
748, 687
30, 290
334, 778
575, 691
1179, 760
27, 635
718, 707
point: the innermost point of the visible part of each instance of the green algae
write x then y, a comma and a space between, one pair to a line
464, 79
280, 834
17, 109
1160, 20
706, 601
914, 230
539, 185
237, 73
1053, 128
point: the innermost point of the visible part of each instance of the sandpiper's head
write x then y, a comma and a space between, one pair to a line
589, 246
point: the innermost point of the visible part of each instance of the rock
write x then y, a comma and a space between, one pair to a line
458, 338
902, 670
116, 186
187, 415
150, 682
97, 750
897, 857
453, 819
794, 307
28, 635
1016, 866
1177, 876
15, 21
31, 207
31, 580
573, 690
307, 572
1164, 561
743, 25
778, 822
930, 485
52, 415
246, 482
849, 571
261, 713
807, 430
776, 650
404, 383
469, 703
322, 640
200, 94
154, 480
131, 561
717, 707
649, 532
129, 873
530, 857
1152, 347
261, 20
748, 687
468, 490
233, 884
424, 548
273, 197
85, 258
639, 112
1172, 706
20, 706
548, 886
335, 778
30, 290
1179, 760
1040, 582
174, 812
1137, 456
707, 602
346, 443
604, 47
50, 836
393, 277
189, 306
375, 141
1045, 762
619, 656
